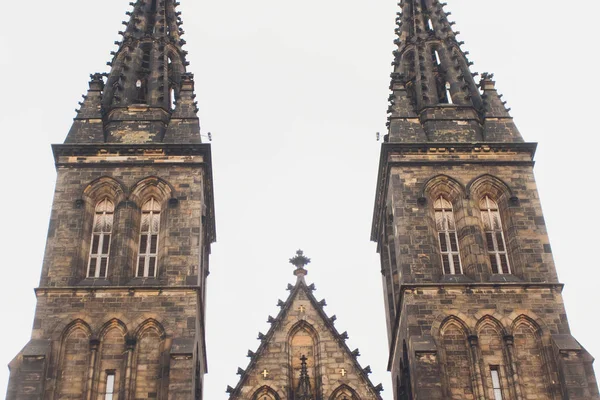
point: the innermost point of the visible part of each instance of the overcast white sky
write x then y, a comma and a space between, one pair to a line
294, 93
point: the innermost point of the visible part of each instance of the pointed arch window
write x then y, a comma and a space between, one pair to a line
448, 239
149, 232
494, 235
101, 236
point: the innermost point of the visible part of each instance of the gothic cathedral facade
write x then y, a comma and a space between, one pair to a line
121, 301
473, 302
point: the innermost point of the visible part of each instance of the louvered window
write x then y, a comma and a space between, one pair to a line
448, 239
494, 235
148, 249
100, 244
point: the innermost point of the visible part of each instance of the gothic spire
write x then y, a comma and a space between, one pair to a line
148, 66
147, 82
432, 80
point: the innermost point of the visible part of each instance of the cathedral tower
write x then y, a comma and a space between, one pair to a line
473, 302
121, 301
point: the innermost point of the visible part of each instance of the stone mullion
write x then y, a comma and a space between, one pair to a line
476, 362
513, 376
94, 344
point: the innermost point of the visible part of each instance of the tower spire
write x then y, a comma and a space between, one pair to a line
147, 82
432, 80
148, 66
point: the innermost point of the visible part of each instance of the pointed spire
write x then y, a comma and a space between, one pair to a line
147, 82
433, 88
429, 57
300, 261
150, 62
303, 390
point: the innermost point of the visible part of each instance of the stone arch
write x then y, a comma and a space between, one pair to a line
265, 393
151, 186
150, 246
456, 360
112, 356
303, 340
149, 337
113, 323
443, 185
460, 318
491, 186
344, 392
74, 361
105, 187
499, 230
531, 359
491, 340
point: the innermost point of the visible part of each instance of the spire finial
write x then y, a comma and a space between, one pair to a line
300, 261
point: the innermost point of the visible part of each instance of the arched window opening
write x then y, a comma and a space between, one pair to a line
149, 233
448, 239
429, 24
448, 93
141, 90
494, 235
101, 236
435, 57
172, 97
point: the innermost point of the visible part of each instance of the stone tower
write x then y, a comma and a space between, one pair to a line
121, 301
473, 302
303, 356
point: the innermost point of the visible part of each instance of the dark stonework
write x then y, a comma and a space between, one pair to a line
127, 147
449, 333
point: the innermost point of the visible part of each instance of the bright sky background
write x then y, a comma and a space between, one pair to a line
293, 93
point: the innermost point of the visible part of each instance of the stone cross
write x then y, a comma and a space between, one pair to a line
265, 373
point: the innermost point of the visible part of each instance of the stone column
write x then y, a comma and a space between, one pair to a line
478, 376
513, 376
94, 344
127, 392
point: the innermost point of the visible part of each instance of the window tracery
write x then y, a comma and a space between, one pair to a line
101, 237
149, 236
447, 237
494, 235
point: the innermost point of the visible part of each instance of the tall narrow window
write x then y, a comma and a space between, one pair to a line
494, 235
446, 227
101, 233
495, 370
110, 385
436, 58
150, 228
448, 93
